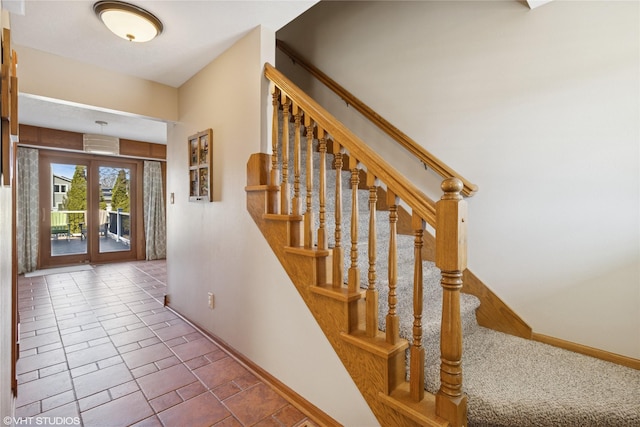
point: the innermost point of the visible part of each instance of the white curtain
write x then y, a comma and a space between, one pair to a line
155, 229
27, 221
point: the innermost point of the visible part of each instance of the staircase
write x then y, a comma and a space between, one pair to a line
373, 293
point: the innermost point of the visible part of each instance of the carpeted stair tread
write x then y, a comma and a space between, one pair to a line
512, 381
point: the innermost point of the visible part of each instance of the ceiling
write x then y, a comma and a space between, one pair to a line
195, 33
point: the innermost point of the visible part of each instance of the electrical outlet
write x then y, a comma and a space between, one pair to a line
210, 300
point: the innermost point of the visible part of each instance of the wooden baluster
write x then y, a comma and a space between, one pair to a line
284, 185
416, 366
393, 322
338, 255
372, 292
295, 204
322, 190
308, 215
451, 259
5, 101
354, 271
275, 172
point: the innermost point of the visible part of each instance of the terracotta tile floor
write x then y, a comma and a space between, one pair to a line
97, 345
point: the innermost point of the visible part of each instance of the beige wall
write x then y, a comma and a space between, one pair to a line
540, 108
216, 247
51, 76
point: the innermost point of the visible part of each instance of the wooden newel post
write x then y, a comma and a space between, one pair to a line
451, 259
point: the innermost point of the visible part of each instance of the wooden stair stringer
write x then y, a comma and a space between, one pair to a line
370, 370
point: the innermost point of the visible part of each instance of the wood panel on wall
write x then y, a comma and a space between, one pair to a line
50, 138
66, 140
147, 150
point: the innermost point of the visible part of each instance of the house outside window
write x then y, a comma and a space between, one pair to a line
61, 186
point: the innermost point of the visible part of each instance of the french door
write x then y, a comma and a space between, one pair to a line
88, 209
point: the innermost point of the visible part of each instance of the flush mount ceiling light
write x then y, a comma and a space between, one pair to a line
128, 21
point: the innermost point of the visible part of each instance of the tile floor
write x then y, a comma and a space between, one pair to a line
99, 349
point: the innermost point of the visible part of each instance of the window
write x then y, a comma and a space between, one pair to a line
60, 188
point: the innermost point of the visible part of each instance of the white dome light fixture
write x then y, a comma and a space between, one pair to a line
128, 21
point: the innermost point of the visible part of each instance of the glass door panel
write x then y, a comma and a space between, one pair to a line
114, 209
63, 198
68, 210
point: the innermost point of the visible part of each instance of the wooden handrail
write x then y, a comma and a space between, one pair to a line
409, 144
376, 165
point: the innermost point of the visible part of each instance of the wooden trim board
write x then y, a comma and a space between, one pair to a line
304, 406
588, 351
493, 313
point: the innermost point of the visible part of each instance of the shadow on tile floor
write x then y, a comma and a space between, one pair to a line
99, 349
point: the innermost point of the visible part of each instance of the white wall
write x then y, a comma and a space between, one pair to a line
216, 247
540, 108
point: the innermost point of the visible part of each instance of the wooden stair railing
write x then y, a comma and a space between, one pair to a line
349, 321
493, 313
427, 158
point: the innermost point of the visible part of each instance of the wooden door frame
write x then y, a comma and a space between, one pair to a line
45, 258
92, 162
136, 209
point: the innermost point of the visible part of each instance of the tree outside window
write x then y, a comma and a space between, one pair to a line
76, 198
120, 195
